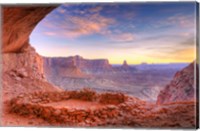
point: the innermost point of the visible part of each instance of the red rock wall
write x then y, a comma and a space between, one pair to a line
78, 61
181, 88
22, 66
27, 64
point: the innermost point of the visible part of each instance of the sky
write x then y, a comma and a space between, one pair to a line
135, 32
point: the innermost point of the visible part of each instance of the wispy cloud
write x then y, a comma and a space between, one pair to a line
50, 33
77, 26
182, 50
96, 9
86, 22
122, 37
182, 20
176, 20
61, 10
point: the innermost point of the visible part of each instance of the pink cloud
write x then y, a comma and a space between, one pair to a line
60, 10
122, 37
180, 21
77, 26
186, 34
95, 9
50, 33
183, 21
49, 24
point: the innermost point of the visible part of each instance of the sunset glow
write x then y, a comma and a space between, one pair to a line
145, 32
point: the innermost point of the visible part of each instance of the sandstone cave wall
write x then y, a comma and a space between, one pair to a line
22, 66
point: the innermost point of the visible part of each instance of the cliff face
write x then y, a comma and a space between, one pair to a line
29, 64
23, 73
181, 88
18, 23
61, 65
22, 67
85, 64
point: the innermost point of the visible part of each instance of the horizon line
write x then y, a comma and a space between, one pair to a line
141, 63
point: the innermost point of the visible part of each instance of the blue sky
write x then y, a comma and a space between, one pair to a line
136, 32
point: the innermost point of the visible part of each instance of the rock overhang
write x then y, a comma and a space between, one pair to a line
18, 21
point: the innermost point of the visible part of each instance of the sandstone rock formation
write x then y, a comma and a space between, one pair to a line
57, 65
125, 64
84, 65
181, 88
23, 72
126, 67
18, 23
73, 72
28, 64
22, 66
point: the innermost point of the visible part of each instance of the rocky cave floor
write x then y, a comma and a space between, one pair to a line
54, 109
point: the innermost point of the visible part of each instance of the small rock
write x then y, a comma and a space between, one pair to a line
87, 121
57, 112
18, 78
111, 107
12, 74
25, 74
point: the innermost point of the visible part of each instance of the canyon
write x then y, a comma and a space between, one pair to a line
76, 72
38, 91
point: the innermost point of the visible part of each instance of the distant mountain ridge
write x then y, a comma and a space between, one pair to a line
84, 65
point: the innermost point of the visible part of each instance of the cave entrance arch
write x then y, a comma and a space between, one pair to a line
19, 22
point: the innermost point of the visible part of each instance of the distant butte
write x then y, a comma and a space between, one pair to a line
125, 65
